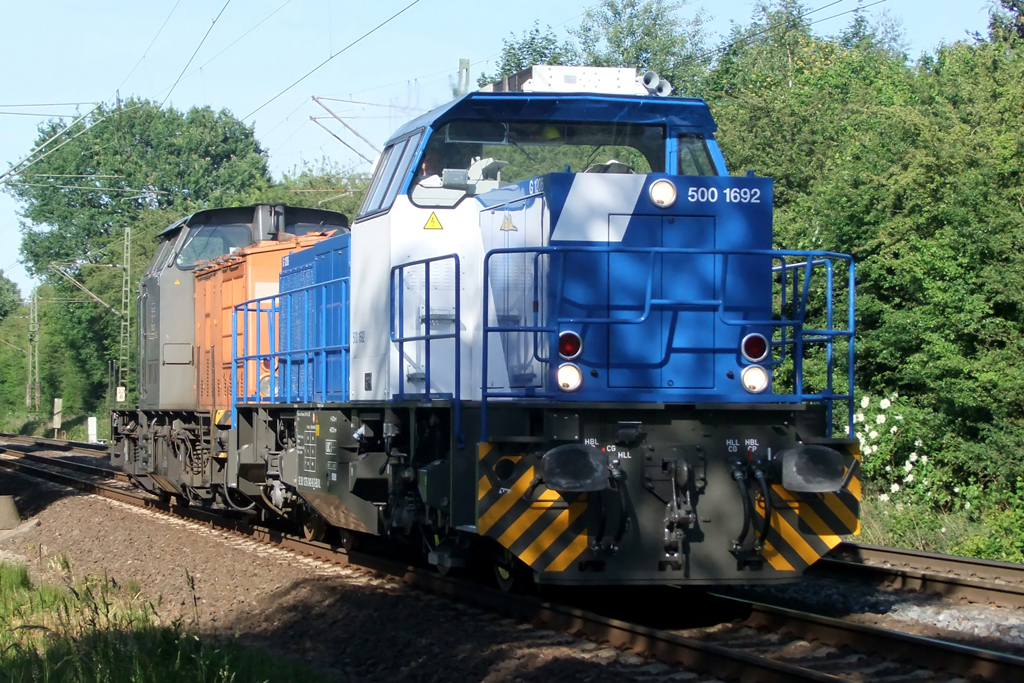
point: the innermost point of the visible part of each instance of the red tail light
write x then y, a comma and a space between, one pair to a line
265, 364
754, 348
569, 345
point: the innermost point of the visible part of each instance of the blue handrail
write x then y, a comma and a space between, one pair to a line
800, 336
399, 337
283, 354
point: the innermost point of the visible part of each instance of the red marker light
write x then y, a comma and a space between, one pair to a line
754, 347
569, 345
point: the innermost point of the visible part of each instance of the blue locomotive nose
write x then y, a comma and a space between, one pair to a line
653, 273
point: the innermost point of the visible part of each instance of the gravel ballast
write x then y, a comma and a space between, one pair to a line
346, 623
355, 626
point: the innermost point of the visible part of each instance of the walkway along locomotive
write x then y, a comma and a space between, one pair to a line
557, 336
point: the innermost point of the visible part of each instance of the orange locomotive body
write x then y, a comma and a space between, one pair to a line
222, 284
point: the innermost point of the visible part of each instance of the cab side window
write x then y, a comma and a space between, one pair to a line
694, 157
392, 170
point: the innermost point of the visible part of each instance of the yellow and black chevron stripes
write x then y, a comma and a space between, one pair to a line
806, 526
546, 531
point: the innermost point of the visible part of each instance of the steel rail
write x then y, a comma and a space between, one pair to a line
59, 444
720, 660
662, 645
93, 470
981, 581
929, 653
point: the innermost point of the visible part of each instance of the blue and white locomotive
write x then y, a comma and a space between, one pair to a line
557, 337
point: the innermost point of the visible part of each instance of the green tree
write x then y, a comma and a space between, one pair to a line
322, 185
642, 34
1007, 22
533, 47
131, 158
646, 35
10, 297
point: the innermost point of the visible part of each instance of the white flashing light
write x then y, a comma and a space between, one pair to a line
569, 377
754, 379
663, 193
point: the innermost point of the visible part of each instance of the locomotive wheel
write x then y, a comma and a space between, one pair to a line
510, 574
505, 577
314, 527
349, 539
437, 537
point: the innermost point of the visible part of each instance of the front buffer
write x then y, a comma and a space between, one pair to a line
663, 494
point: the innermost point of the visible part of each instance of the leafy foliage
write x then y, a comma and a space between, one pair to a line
534, 47
129, 159
10, 297
646, 35
139, 166
643, 34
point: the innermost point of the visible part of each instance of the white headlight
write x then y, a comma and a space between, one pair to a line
754, 379
663, 193
265, 386
569, 377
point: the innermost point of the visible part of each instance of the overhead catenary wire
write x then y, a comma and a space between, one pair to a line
67, 175
371, 104
350, 128
198, 47
47, 104
342, 50
239, 38
25, 163
146, 51
86, 187
336, 137
18, 165
37, 115
849, 11
721, 50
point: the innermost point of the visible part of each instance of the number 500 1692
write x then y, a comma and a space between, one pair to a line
732, 195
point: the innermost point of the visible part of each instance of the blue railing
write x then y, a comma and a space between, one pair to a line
799, 338
399, 337
290, 339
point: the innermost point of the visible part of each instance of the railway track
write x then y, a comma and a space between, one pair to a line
981, 581
766, 644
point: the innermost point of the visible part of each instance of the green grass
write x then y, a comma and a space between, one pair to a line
74, 427
993, 531
95, 631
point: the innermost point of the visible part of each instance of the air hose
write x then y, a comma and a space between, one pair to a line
741, 480
766, 524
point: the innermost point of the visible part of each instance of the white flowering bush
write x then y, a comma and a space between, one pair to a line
895, 457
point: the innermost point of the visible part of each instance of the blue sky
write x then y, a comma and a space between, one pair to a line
73, 52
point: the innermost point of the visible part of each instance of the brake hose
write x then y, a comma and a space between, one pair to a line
741, 481
766, 524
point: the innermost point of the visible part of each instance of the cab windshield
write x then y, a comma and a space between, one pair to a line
206, 242
159, 259
471, 157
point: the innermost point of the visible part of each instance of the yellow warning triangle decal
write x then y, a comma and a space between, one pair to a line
433, 223
507, 225
177, 282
